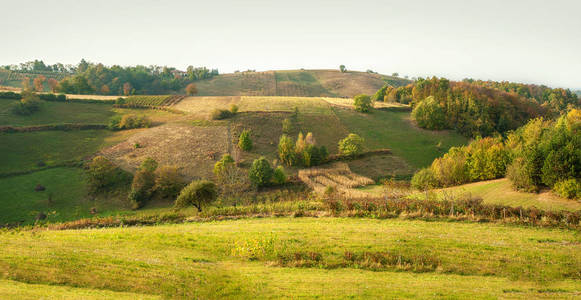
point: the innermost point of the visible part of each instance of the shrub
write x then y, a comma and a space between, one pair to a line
287, 126
132, 121
148, 164
141, 188
260, 172
362, 103
244, 141
28, 104
520, 175
103, 174
428, 114
221, 165
279, 176
570, 188
351, 145
424, 179
451, 169
198, 193
233, 109
168, 181
221, 114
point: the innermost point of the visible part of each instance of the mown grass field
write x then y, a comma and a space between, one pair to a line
297, 257
57, 113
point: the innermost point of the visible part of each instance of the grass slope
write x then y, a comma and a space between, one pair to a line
239, 259
23, 151
67, 190
394, 130
57, 113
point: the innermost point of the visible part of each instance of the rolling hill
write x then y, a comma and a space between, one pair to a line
302, 83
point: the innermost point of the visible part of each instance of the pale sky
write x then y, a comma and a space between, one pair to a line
520, 40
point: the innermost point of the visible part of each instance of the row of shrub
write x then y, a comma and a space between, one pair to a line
540, 154
221, 114
128, 122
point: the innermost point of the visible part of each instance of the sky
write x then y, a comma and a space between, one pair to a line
528, 41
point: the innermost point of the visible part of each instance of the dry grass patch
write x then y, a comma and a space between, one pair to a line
203, 106
193, 149
338, 176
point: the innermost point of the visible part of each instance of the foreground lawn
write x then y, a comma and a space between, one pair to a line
301, 257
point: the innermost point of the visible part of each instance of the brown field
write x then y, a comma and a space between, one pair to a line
193, 149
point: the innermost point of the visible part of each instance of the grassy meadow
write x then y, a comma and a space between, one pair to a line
298, 257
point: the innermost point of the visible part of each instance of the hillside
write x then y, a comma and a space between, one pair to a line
303, 83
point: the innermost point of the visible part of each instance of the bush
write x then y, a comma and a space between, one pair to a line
570, 188
287, 126
260, 172
221, 165
428, 114
451, 169
28, 104
351, 145
244, 141
424, 179
233, 109
362, 103
279, 176
168, 182
141, 188
198, 193
221, 114
103, 174
520, 175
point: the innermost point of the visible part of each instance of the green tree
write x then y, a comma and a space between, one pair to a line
424, 179
286, 150
351, 145
362, 103
279, 176
342, 68
223, 164
168, 181
244, 141
428, 114
198, 193
260, 172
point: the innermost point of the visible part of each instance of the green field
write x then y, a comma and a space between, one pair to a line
297, 257
66, 188
394, 130
24, 151
57, 113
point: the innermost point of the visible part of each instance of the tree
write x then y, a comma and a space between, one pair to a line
244, 141
395, 74
198, 193
127, 88
287, 126
102, 174
191, 89
286, 150
424, 179
342, 68
362, 103
105, 90
168, 181
141, 187
351, 145
428, 114
53, 84
223, 164
260, 172
38, 83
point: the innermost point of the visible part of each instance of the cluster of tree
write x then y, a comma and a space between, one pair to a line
471, 109
149, 180
557, 100
103, 175
540, 154
128, 122
388, 93
90, 78
39, 66
28, 104
303, 152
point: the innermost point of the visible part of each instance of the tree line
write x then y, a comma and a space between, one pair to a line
477, 108
542, 153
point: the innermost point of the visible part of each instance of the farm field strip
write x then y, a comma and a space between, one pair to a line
338, 176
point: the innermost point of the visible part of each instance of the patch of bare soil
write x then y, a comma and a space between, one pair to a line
193, 149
